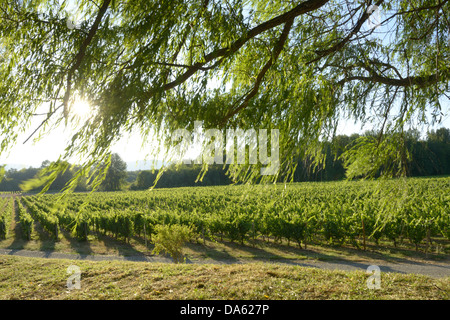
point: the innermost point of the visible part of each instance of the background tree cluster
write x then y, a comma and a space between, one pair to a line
33, 179
428, 157
181, 176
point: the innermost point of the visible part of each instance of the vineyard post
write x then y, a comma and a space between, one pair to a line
428, 239
305, 235
253, 231
203, 234
364, 233
145, 235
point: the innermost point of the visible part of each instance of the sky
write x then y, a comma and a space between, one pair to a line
50, 147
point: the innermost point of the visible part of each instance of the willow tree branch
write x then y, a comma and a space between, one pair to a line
338, 46
49, 115
82, 52
304, 7
276, 52
420, 81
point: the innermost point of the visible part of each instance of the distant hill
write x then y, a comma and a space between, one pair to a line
143, 165
18, 166
131, 165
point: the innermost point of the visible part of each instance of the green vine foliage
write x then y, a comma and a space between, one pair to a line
337, 213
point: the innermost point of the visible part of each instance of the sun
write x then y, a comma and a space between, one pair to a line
81, 109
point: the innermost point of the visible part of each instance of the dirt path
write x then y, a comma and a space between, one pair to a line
432, 269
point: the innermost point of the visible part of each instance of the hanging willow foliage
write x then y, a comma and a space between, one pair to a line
158, 66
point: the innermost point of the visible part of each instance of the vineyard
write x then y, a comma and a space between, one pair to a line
5, 216
414, 211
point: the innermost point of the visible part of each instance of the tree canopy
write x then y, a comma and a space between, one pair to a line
158, 66
115, 175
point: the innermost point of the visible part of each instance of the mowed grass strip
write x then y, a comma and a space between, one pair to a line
36, 278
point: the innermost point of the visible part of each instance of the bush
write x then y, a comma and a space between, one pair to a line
170, 239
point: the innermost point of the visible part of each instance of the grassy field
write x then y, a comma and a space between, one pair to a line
249, 254
25, 278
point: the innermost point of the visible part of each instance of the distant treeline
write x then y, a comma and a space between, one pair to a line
13, 179
183, 176
429, 157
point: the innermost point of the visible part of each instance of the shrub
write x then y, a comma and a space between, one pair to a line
170, 239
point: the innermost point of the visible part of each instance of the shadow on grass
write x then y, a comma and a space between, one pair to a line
255, 250
123, 248
47, 241
211, 252
259, 250
82, 247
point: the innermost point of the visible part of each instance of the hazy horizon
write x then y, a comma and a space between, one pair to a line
129, 147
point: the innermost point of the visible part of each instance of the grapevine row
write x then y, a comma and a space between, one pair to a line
6, 207
47, 219
335, 213
25, 220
